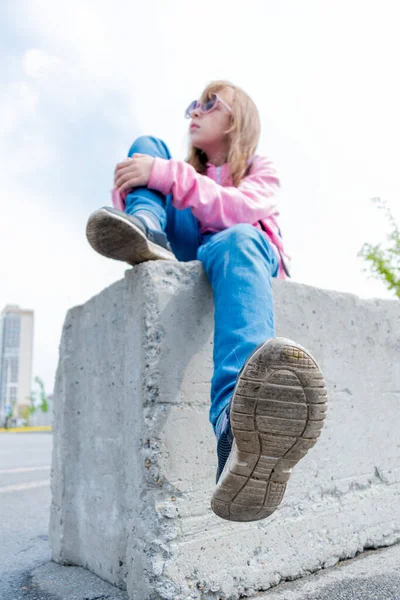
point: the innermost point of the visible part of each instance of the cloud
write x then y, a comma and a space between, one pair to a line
18, 102
37, 63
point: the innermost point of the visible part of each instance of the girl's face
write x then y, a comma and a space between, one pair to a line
208, 131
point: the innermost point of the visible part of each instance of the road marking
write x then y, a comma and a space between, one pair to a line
23, 469
24, 486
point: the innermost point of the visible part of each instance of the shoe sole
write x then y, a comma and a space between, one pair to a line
277, 412
115, 237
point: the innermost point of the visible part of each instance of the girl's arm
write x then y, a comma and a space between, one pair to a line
214, 205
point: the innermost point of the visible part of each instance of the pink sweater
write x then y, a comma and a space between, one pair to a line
215, 202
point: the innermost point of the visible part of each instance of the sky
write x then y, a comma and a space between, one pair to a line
79, 81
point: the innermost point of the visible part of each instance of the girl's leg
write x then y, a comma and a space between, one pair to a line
180, 226
266, 425
239, 263
141, 198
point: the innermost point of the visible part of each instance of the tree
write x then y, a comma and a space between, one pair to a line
43, 403
384, 261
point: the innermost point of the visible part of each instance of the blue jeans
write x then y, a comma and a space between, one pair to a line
239, 263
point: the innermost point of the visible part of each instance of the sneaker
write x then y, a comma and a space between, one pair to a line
277, 412
117, 235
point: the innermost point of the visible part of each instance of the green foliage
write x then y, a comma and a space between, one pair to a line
25, 412
43, 401
384, 261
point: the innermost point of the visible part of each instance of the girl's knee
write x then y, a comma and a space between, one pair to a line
147, 144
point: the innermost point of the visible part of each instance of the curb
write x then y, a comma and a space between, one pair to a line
25, 429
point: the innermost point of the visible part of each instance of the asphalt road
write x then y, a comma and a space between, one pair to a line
26, 569
24, 507
27, 572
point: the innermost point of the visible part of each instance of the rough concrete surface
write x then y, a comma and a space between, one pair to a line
373, 575
134, 454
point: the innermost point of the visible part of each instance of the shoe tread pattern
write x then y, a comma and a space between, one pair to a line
278, 410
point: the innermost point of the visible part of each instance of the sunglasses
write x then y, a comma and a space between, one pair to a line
206, 107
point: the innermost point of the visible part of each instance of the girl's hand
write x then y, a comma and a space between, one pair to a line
133, 172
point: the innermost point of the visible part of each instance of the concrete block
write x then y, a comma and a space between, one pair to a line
134, 456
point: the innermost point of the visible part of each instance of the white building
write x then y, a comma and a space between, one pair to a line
16, 350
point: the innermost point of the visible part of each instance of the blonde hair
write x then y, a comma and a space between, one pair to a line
244, 132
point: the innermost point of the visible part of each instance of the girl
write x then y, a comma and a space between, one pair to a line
268, 397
